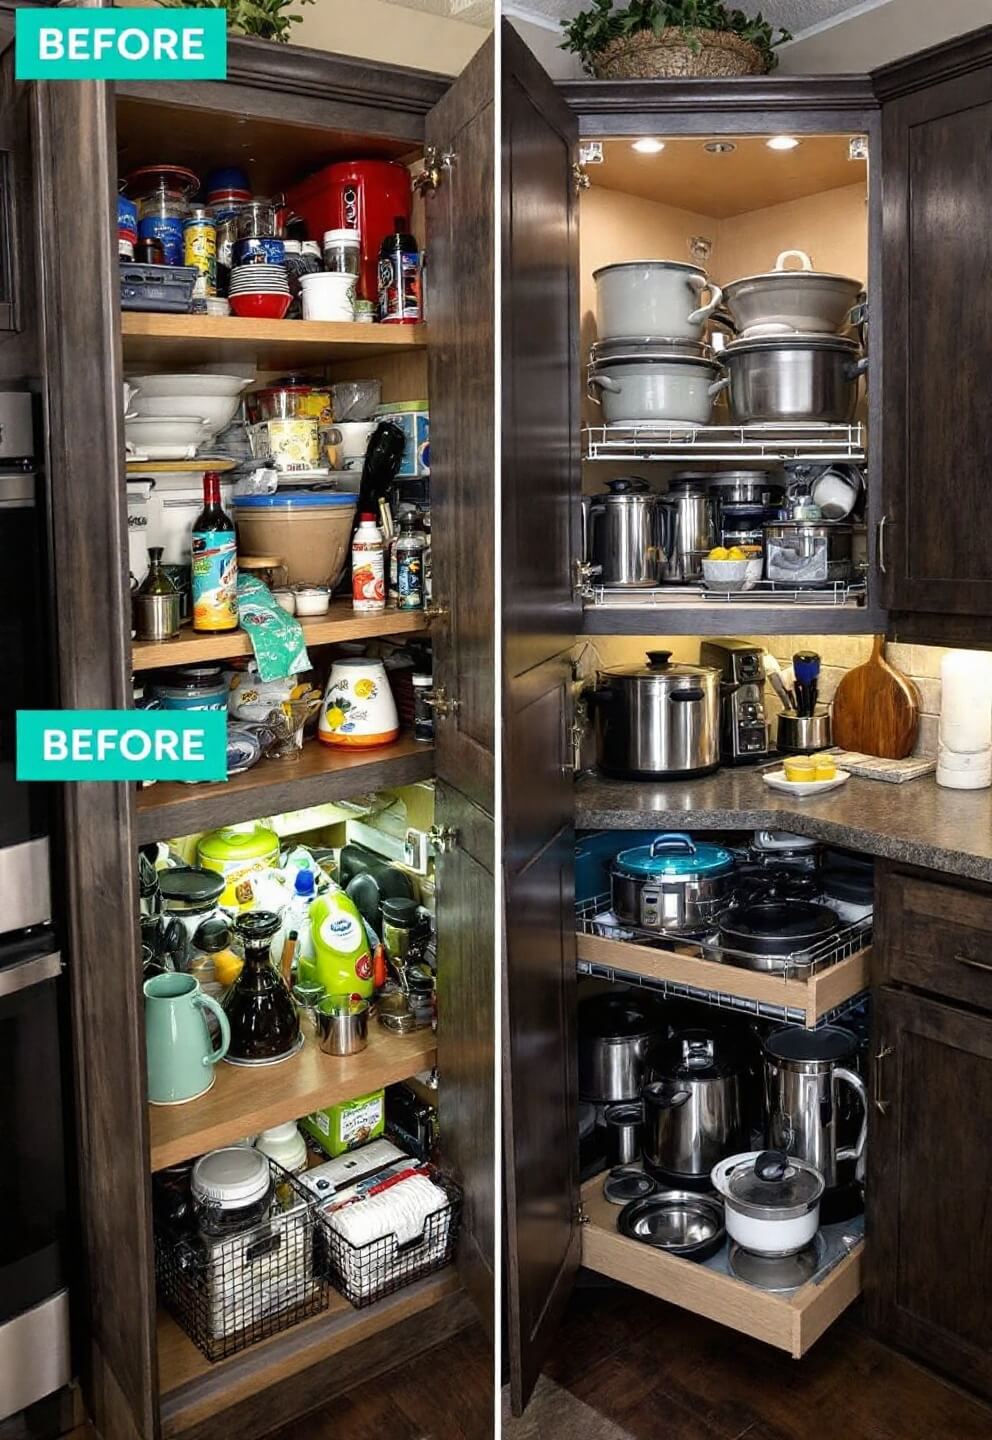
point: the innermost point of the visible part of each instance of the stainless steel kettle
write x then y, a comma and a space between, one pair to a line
694, 1106
804, 1070
688, 532
623, 534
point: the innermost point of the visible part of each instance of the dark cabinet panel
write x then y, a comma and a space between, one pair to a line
460, 245
929, 1254
937, 339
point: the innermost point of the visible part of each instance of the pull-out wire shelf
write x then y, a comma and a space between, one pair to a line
767, 592
817, 444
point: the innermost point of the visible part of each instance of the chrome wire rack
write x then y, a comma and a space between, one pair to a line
767, 592
812, 442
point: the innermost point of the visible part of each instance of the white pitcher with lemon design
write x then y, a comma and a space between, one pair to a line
358, 709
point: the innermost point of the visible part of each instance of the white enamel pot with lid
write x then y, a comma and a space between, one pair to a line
784, 301
771, 1200
657, 299
652, 385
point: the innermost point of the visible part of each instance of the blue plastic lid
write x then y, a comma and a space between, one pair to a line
298, 500
305, 883
675, 854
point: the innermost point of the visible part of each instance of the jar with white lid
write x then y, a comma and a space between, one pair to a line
232, 1190
341, 251
285, 1145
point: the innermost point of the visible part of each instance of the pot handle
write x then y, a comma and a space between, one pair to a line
207, 1002
672, 840
699, 283
858, 367
799, 255
659, 1094
852, 1078
599, 696
684, 697
718, 385
605, 383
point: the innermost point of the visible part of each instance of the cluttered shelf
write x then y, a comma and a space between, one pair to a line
239, 1104
158, 338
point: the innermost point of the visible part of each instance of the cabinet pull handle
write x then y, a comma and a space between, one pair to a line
880, 548
975, 964
882, 1106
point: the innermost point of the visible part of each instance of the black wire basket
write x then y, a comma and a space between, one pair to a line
365, 1273
229, 1292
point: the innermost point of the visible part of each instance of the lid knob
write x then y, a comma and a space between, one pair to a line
659, 659
771, 1166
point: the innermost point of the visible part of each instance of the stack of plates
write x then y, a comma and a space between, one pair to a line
259, 291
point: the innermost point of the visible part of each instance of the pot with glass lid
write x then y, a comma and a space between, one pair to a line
673, 884
657, 721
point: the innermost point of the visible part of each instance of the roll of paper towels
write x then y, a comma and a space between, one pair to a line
966, 701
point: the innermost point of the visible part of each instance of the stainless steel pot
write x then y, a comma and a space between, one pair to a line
623, 534
694, 1108
808, 553
673, 884
657, 720
792, 377
804, 1071
746, 487
615, 1035
768, 935
783, 300
688, 530
654, 298
668, 389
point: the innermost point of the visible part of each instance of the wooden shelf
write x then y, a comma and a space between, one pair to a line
154, 339
245, 1099
193, 1389
342, 623
323, 773
813, 998
791, 1322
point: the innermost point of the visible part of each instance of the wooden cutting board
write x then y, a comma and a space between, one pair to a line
876, 708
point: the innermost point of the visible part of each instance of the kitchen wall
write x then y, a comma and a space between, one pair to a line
831, 227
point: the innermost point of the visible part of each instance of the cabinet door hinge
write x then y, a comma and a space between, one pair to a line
443, 839
442, 703
428, 180
582, 575
435, 612
579, 177
581, 1214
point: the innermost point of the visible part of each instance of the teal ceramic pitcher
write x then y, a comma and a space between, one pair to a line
180, 1051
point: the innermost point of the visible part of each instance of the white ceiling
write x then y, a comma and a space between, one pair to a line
472, 12
793, 15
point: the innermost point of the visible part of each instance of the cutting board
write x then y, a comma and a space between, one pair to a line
876, 708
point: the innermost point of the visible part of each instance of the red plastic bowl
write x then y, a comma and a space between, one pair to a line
260, 307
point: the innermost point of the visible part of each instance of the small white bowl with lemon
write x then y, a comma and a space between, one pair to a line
726, 570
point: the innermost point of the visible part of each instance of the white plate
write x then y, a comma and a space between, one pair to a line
775, 780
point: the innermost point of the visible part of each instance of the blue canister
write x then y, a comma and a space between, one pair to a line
127, 227
168, 229
191, 687
260, 250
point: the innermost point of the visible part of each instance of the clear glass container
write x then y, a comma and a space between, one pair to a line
260, 217
341, 252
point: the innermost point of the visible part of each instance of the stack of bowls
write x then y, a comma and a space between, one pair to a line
259, 292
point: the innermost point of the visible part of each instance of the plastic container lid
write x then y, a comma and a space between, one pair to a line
341, 237
190, 886
305, 883
253, 842
298, 500
830, 1042
231, 1178
676, 854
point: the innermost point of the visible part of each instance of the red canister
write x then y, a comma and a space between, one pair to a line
362, 195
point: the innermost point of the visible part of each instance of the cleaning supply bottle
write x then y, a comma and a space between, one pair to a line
368, 566
342, 961
296, 915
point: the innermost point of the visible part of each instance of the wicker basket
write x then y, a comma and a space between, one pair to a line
678, 54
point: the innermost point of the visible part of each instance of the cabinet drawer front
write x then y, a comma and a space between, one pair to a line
938, 937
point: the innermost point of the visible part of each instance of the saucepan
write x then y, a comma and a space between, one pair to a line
771, 1201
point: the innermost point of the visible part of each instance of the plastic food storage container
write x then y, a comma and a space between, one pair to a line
310, 530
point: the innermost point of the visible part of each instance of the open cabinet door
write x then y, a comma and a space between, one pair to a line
460, 222
69, 129
540, 484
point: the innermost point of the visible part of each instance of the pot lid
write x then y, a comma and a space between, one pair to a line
792, 920
856, 886
190, 886
648, 264
770, 1185
298, 500
675, 854
830, 1043
230, 1178
627, 487
776, 840
805, 276
661, 356
616, 1017
625, 1183
793, 342
659, 667
233, 843
647, 345
746, 477
695, 1055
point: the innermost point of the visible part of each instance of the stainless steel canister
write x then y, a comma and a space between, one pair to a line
342, 1025
623, 534
155, 617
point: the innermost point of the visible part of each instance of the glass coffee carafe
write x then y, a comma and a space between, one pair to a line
265, 1027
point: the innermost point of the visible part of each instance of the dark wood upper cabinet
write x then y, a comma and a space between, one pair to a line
936, 329
540, 486
930, 1177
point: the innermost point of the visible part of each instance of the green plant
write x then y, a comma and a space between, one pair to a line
265, 19
592, 30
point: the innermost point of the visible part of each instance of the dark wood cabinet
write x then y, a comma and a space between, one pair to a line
929, 1251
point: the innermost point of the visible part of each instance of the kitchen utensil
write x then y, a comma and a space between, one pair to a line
342, 1025
623, 534
688, 531
677, 1221
615, 1035
806, 668
265, 1028
165, 437
694, 1105
803, 789
835, 491
623, 1124
803, 734
764, 936
773, 672
654, 298
674, 883
671, 389
771, 1202
628, 1182
792, 300
876, 708
804, 1070
799, 378
745, 487
659, 719
785, 851
215, 411
179, 1050
383, 458
358, 708
808, 553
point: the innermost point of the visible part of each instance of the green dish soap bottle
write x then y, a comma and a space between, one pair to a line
342, 959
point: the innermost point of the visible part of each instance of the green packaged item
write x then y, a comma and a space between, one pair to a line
346, 1126
240, 853
342, 958
276, 638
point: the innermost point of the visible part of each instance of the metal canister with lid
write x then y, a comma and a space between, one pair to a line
200, 250
657, 720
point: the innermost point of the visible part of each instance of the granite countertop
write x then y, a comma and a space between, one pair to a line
917, 822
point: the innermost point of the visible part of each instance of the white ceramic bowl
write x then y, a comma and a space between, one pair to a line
188, 381
216, 411
726, 575
150, 433
328, 296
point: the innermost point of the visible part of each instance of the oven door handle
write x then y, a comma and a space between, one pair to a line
30, 972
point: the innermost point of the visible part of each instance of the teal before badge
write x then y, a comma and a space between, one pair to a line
77, 44
185, 745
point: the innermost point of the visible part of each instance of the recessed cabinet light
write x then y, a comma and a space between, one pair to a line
782, 142
719, 147
648, 146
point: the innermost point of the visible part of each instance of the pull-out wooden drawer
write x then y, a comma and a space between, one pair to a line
936, 936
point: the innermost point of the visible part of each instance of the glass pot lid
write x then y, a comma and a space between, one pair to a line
675, 854
771, 1185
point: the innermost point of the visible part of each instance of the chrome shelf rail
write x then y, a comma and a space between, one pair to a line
839, 595
818, 444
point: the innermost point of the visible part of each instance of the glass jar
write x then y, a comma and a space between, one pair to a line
260, 217
265, 1027
341, 251
162, 194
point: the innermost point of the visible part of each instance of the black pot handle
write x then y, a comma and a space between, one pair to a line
659, 659
771, 1165
685, 696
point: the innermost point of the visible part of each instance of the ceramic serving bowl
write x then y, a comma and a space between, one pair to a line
216, 411
260, 306
165, 436
185, 381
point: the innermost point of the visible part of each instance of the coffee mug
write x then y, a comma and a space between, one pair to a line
179, 1049
352, 441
